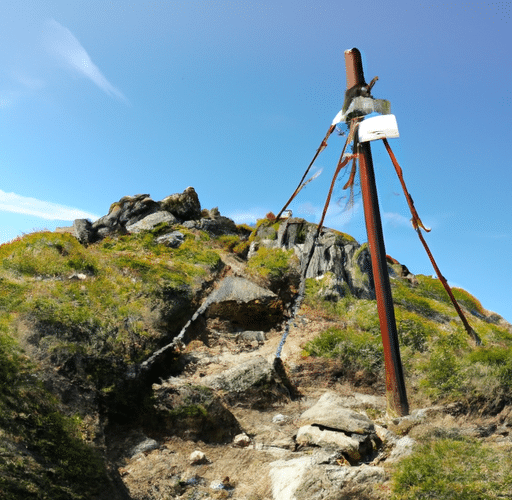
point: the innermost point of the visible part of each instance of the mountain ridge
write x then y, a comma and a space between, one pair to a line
81, 309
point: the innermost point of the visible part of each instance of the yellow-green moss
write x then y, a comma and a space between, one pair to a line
271, 263
346, 237
47, 255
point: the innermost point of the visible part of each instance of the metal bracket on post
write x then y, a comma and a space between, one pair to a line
362, 106
395, 385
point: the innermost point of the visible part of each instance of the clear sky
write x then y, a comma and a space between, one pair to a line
102, 99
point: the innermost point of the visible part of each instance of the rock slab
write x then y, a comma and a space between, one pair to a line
329, 412
310, 435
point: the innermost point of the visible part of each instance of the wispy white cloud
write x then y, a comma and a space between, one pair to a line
492, 235
247, 216
8, 98
20, 86
396, 219
15, 203
60, 42
337, 216
27, 82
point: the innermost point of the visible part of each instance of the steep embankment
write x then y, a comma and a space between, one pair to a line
84, 414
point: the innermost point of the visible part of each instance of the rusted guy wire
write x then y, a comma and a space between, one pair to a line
418, 225
322, 146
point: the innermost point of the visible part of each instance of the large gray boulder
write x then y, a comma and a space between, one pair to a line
310, 435
125, 212
171, 240
151, 221
136, 208
82, 229
253, 383
218, 226
329, 412
310, 478
244, 304
334, 482
240, 290
252, 373
184, 206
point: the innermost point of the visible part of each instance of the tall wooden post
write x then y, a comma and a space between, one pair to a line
395, 386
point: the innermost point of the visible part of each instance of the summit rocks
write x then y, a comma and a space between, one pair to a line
140, 212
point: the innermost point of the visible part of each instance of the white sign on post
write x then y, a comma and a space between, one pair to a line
378, 127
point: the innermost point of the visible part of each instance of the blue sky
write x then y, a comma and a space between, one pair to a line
99, 100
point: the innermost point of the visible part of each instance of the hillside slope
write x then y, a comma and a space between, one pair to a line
88, 410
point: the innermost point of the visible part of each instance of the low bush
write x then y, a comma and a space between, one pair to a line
272, 263
454, 469
356, 350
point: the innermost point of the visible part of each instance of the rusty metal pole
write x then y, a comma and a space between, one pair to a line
395, 386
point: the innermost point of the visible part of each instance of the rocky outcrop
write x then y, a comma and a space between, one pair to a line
329, 412
184, 206
82, 229
133, 214
127, 211
331, 425
336, 255
213, 222
171, 240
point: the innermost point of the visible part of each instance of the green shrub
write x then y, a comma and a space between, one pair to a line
467, 300
356, 350
444, 371
365, 316
499, 359
9, 361
412, 299
432, 288
228, 241
413, 331
454, 469
328, 308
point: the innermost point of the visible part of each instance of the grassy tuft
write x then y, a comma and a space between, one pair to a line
47, 255
356, 350
453, 469
272, 263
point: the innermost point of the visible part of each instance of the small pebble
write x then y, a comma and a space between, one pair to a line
279, 419
198, 457
242, 440
216, 485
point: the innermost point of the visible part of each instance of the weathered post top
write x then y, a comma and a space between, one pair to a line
354, 68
